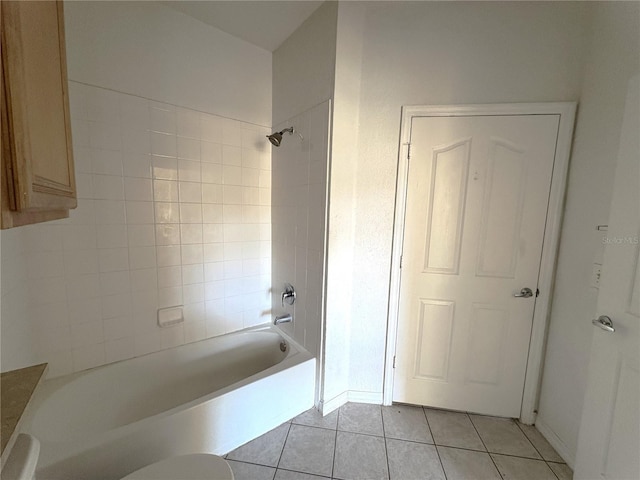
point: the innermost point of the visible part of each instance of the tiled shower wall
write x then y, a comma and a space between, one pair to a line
299, 200
173, 209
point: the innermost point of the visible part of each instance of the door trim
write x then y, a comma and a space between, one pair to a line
566, 111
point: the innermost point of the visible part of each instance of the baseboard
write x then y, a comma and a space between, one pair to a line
328, 406
556, 443
365, 397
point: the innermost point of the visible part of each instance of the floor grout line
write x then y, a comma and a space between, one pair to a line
384, 439
536, 448
284, 444
424, 412
528, 440
485, 445
335, 445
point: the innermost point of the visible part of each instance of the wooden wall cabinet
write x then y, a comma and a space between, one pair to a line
38, 180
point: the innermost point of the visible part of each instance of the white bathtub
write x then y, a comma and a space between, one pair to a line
210, 396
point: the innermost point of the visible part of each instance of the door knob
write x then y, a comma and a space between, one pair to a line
604, 323
524, 293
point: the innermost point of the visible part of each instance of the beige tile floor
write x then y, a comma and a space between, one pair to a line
400, 442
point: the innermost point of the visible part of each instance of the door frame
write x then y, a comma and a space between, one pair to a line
566, 112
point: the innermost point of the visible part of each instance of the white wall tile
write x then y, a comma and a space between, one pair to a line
169, 276
115, 305
188, 148
193, 293
212, 193
117, 327
84, 310
192, 254
108, 212
157, 186
108, 187
113, 283
104, 136
84, 334
135, 141
88, 357
80, 262
137, 164
139, 212
211, 128
107, 162
162, 120
231, 155
231, 175
167, 212
212, 213
141, 235
113, 259
169, 297
191, 213
120, 349
194, 331
188, 123
144, 279
211, 173
142, 257
190, 192
168, 255
111, 236
164, 144
138, 189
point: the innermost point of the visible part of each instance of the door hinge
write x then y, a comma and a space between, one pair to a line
408, 151
537, 292
401, 261
394, 361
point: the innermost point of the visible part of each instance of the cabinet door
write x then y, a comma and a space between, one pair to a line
38, 159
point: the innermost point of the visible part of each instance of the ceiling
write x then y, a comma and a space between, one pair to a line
265, 23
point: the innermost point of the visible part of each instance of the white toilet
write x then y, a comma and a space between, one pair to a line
21, 465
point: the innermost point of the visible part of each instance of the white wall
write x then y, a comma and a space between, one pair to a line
174, 192
303, 66
146, 49
303, 75
436, 53
611, 61
342, 184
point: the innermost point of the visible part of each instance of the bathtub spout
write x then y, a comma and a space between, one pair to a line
283, 319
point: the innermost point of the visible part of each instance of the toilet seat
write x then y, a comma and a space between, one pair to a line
198, 466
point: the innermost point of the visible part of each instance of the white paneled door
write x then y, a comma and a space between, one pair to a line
477, 196
609, 440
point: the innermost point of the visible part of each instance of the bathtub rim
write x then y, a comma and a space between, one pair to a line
296, 355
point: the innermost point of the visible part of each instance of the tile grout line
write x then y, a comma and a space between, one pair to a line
304, 473
282, 451
536, 449
424, 412
485, 446
384, 438
528, 440
517, 422
335, 444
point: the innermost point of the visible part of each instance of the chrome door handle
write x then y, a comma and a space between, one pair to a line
524, 293
604, 323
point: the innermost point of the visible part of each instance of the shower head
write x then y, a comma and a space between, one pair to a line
276, 138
